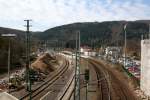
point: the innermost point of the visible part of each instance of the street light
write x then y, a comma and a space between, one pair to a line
8, 63
125, 44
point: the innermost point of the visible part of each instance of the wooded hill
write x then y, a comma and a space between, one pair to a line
94, 34
17, 48
97, 34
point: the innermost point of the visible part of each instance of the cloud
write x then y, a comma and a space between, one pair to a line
49, 13
109, 1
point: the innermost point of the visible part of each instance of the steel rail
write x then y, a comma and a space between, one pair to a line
48, 82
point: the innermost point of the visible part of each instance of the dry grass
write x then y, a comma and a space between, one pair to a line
44, 64
117, 72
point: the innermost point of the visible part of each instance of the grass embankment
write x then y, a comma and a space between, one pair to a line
123, 73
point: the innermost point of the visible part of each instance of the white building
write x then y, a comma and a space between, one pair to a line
113, 51
145, 67
87, 51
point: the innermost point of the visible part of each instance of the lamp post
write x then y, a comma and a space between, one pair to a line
125, 44
9, 48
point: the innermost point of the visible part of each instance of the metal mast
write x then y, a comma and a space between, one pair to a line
28, 87
77, 68
125, 45
149, 31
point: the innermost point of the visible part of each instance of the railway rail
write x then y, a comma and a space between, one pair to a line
47, 83
66, 94
110, 86
103, 83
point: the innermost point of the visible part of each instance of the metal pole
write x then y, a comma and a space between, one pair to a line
8, 64
87, 81
109, 86
149, 31
125, 45
72, 58
79, 63
86, 90
28, 58
77, 68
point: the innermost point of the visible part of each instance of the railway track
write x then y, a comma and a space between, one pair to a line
103, 84
110, 86
47, 83
67, 92
121, 93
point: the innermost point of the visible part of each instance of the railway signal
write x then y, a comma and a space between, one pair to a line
86, 75
34, 76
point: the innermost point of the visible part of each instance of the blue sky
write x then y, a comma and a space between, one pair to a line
50, 13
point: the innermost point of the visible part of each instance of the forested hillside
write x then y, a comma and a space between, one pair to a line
93, 34
97, 34
17, 48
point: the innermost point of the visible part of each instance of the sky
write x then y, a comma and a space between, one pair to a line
46, 14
